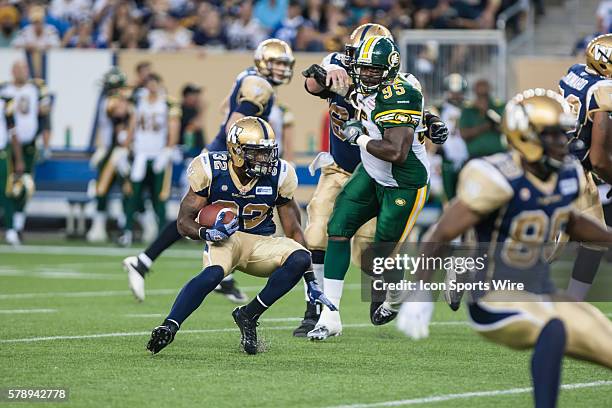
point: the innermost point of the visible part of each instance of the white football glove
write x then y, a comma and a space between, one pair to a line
414, 316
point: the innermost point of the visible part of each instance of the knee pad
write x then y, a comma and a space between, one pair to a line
299, 260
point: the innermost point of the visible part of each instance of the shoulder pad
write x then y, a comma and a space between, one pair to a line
602, 92
482, 187
199, 174
256, 90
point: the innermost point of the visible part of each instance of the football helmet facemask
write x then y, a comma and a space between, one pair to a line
252, 146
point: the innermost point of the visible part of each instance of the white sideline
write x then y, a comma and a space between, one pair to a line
232, 329
449, 397
25, 311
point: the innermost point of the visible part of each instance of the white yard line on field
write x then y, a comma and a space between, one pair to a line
233, 329
144, 315
150, 292
281, 319
92, 251
26, 311
475, 394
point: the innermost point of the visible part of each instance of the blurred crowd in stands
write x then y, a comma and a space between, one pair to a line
307, 25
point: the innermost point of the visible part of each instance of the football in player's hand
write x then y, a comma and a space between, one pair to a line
208, 215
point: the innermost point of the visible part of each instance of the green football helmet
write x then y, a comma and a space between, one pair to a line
113, 79
376, 64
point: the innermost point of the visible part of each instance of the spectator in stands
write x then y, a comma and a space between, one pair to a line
210, 30
245, 31
37, 36
71, 11
327, 29
472, 14
9, 20
604, 26
171, 37
270, 12
191, 133
479, 122
80, 35
288, 29
133, 37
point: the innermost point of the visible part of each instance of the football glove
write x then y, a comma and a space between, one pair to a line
318, 73
438, 132
415, 315
315, 295
220, 231
351, 130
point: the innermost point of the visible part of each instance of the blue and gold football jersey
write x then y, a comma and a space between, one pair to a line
345, 155
210, 175
248, 87
521, 214
587, 92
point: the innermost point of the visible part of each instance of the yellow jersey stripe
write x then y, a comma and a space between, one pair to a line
406, 111
419, 203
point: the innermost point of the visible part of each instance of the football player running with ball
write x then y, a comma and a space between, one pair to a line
518, 202
253, 94
250, 181
391, 181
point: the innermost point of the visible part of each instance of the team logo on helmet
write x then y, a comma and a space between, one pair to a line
394, 59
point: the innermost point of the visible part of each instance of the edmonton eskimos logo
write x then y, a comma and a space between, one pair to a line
400, 202
394, 59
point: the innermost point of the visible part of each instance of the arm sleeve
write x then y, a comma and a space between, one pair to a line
199, 175
256, 91
482, 187
287, 183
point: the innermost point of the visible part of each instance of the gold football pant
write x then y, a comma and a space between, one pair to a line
320, 208
515, 319
255, 255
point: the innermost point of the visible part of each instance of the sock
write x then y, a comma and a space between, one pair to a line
145, 260
100, 218
168, 236
546, 364
193, 293
337, 259
280, 282
19, 221
585, 268
229, 278
333, 290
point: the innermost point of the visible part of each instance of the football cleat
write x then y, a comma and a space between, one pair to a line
311, 317
383, 314
97, 232
125, 240
453, 297
12, 237
136, 271
161, 336
248, 330
321, 333
231, 291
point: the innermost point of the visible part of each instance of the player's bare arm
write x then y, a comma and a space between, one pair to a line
174, 126
584, 229
188, 212
320, 79
394, 146
290, 218
17, 153
600, 146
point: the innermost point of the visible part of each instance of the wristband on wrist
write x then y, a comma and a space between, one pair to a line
202, 233
363, 140
309, 276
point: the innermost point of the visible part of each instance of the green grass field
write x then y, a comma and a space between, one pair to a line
80, 328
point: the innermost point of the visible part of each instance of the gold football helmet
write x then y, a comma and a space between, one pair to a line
251, 144
361, 33
274, 60
599, 55
530, 116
